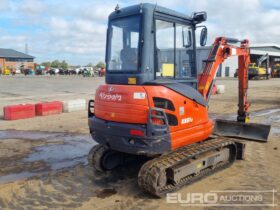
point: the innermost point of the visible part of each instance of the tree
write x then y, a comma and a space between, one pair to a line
47, 64
55, 64
100, 65
64, 64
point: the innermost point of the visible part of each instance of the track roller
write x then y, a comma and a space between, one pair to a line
185, 165
102, 158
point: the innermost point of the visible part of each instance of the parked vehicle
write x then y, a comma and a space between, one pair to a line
13, 72
72, 72
276, 71
87, 73
61, 71
81, 72
18, 71
28, 71
256, 72
102, 72
6, 71
52, 72
40, 70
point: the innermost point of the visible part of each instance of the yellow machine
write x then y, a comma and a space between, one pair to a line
257, 72
6, 71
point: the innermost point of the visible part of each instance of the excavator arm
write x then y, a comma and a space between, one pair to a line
262, 59
221, 50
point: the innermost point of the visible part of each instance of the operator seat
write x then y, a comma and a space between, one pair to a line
129, 58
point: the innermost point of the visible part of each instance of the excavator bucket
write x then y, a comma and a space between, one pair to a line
249, 131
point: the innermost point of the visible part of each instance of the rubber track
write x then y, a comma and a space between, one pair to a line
151, 170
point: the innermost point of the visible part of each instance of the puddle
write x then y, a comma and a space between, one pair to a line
270, 116
273, 115
273, 119
60, 151
62, 155
30, 135
17, 176
215, 116
264, 112
275, 131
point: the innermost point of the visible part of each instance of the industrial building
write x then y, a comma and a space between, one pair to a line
13, 59
228, 68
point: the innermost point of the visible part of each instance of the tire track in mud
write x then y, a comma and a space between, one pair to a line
78, 188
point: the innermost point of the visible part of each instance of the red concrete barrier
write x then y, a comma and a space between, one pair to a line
22, 111
48, 108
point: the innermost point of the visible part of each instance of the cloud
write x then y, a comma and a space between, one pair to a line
4, 5
31, 7
100, 12
17, 40
76, 30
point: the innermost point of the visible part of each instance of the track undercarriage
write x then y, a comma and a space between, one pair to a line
171, 171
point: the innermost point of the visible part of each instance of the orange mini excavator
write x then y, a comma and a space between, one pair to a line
154, 103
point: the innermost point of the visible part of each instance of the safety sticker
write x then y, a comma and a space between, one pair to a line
187, 120
139, 95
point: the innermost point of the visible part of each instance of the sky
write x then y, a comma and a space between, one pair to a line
75, 30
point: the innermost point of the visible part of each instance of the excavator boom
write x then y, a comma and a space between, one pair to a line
222, 49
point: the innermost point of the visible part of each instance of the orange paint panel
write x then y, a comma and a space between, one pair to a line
192, 110
191, 135
133, 114
130, 104
121, 103
193, 124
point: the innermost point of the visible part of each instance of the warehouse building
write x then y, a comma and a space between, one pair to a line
13, 60
228, 68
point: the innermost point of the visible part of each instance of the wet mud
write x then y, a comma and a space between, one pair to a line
43, 152
45, 170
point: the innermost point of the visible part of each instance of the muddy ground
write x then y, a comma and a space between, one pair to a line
43, 161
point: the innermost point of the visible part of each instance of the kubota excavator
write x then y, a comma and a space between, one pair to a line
154, 104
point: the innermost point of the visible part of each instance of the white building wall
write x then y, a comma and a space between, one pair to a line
231, 63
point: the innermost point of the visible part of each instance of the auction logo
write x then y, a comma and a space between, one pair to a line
265, 198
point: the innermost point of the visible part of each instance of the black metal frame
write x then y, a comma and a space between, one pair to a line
175, 22
108, 43
90, 106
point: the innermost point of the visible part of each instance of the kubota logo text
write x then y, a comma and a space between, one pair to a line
110, 97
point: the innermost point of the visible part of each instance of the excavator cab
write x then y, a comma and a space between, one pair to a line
147, 42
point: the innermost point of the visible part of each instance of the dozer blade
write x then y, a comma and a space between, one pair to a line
250, 131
